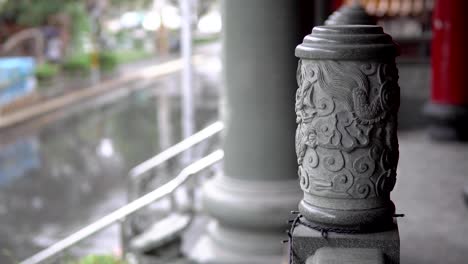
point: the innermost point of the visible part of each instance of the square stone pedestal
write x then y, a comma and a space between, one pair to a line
307, 241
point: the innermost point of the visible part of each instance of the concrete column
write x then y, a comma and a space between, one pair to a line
346, 140
250, 202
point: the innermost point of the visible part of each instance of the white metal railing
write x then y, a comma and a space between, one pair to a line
121, 213
135, 175
139, 173
177, 149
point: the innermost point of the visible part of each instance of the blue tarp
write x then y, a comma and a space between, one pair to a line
16, 78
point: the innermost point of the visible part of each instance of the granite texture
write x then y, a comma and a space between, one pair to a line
307, 242
346, 142
348, 42
327, 255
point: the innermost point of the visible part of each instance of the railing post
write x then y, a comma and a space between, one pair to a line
346, 141
251, 200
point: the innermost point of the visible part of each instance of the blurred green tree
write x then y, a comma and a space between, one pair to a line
71, 15
131, 4
32, 13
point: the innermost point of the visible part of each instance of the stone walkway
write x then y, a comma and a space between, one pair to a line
431, 177
429, 192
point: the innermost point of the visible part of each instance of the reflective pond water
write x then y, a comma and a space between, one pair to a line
66, 170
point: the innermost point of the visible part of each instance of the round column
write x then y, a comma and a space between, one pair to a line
448, 108
346, 139
251, 201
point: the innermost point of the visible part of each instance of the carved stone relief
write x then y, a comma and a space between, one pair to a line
346, 140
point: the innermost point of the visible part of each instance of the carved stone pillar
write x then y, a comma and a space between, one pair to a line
346, 139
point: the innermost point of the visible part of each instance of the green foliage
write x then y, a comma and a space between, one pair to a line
46, 71
99, 259
80, 25
206, 39
80, 63
32, 12
126, 56
35, 13
131, 4
108, 61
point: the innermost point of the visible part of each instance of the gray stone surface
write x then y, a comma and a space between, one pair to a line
250, 201
347, 42
431, 178
224, 245
307, 241
327, 255
346, 142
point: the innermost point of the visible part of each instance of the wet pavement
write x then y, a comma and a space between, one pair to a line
67, 169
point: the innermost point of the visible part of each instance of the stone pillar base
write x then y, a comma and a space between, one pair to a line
222, 245
249, 220
447, 122
328, 255
306, 242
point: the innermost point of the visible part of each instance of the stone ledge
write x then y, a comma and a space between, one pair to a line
327, 255
307, 241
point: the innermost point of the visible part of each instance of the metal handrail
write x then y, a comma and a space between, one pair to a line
123, 212
176, 149
138, 171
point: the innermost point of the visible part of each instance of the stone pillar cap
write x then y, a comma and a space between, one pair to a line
353, 14
348, 42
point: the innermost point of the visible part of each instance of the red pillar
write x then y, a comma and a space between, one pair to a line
448, 108
336, 4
